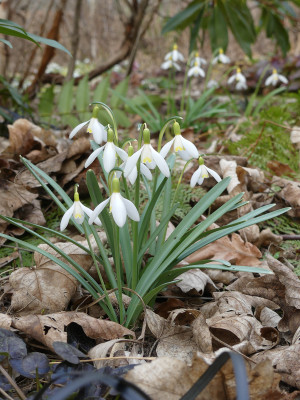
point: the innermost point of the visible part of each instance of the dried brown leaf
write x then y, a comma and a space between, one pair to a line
194, 279
50, 328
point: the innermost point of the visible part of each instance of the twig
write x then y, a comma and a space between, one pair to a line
290, 237
13, 383
231, 348
5, 394
112, 358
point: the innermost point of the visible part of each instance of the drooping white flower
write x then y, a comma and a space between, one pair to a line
182, 146
275, 78
221, 57
94, 127
150, 157
118, 206
170, 64
239, 79
196, 70
133, 174
110, 151
174, 55
199, 60
212, 83
77, 211
201, 173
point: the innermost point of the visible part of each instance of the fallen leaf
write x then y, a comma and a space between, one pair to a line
194, 279
52, 328
47, 287
236, 251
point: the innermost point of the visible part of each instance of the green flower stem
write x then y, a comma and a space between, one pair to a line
185, 82
119, 271
169, 92
111, 313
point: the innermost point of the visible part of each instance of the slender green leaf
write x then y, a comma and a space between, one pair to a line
183, 18
83, 98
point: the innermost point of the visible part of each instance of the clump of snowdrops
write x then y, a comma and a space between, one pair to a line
143, 259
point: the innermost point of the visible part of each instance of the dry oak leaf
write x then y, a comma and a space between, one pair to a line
173, 340
169, 378
235, 251
51, 328
46, 288
13, 197
285, 359
194, 279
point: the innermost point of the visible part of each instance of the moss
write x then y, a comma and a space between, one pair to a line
270, 143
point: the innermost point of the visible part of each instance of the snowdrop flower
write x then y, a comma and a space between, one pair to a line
110, 151
118, 206
174, 55
221, 57
239, 78
212, 84
182, 146
170, 64
133, 174
201, 173
94, 127
149, 156
275, 78
77, 210
196, 70
199, 60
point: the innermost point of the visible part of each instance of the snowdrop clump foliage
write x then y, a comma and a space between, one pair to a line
143, 258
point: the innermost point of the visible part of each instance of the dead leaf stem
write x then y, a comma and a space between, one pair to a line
13, 383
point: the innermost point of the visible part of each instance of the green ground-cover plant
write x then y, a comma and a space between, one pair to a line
141, 278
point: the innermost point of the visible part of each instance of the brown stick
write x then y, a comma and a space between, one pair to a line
290, 237
75, 40
13, 383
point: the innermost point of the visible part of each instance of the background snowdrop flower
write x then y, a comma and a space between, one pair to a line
133, 174
149, 156
198, 60
94, 127
221, 57
240, 85
119, 206
196, 70
174, 55
77, 210
275, 78
170, 63
201, 173
237, 77
182, 146
110, 151
212, 84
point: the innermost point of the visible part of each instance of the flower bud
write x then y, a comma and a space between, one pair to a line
115, 185
95, 112
176, 128
130, 151
110, 135
146, 136
200, 161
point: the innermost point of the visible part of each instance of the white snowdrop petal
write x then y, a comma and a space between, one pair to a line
109, 157
269, 80
178, 143
231, 79
166, 64
98, 210
190, 148
131, 210
185, 155
93, 157
160, 162
214, 174
98, 131
131, 162
89, 213
121, 153
166, 148
200, 180
176, 66
146, 172
77, 129
283, 79
66, 218
133, 175
118, 209
78, 213
195, 177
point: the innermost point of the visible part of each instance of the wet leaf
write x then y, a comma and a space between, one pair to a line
11, 345
31, 365
67, 352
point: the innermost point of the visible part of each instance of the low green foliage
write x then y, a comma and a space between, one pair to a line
270, 142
